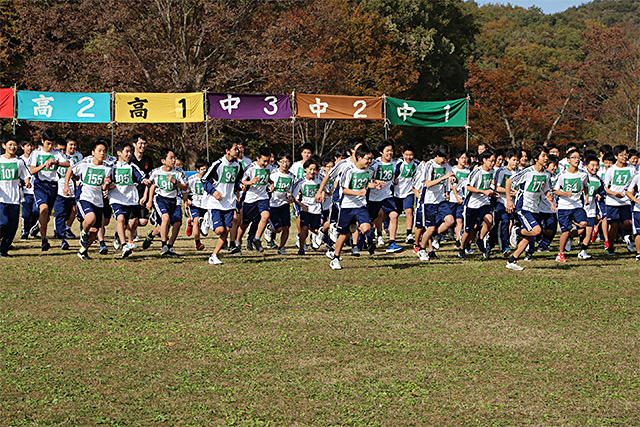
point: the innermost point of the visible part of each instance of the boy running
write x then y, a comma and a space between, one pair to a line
12, 170
166, 183
95, 178
532, 182
44, 163
221, 184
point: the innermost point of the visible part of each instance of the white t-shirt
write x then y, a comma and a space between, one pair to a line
196, 190
282, 185
125, 176
355, 179
382, 172
532, 186
436, 193
305, 191
40, 157
461, 185
500, 179
634, 187
595, 186
11, 172
224, 176
616, 179
480, 179
297, 169
576, 183
92, 178
259, 190
26, 163
164, 187
405, 173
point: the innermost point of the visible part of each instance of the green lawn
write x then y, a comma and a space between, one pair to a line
271, 340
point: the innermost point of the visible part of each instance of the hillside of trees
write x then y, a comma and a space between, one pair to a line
531, 77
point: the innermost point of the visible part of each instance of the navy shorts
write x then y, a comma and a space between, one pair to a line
350, 216
434, 215
591, 221
602, 209
129, 211
221, 218
566, 218
251, 211
418, 218
636, 223
313, 221
387, 206
197, 212
280, 216
548, 221
618, 214
166, 206
106, 212
45, 193
402, 204
475, 217
84, 208
529, 220
457, 210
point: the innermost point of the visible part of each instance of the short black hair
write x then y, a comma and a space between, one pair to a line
165, 151
200, 163
264, 151
49, 135
283, 155
442, 151
136, 137
511, 152
486, 154
60, 142
590, 159
8, 138
385, 143
122, 145
409, 147
306, 146
606, 148
609, 156
619, 149
633, 152
552, 159
537, 150
71, 137
313, 160
363, 150
227, 143
101, 140
573, 150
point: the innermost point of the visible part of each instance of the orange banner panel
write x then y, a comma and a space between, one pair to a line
338, 107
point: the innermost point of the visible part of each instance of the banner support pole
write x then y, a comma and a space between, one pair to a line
466, 125
384, 115
113, 114
293, 126
14, 120
206, 121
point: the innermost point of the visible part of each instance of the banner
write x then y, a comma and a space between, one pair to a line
159, 107
6, 103
427, 114
248, 106
338, 107
69, 107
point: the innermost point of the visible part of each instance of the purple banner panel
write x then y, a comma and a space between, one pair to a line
242, 106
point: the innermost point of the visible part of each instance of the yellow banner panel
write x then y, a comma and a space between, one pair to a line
159, 107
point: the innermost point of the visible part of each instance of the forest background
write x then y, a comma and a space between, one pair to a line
531, 77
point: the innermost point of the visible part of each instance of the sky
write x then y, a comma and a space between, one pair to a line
547, 6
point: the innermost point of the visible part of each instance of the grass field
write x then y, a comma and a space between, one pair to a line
271, 340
